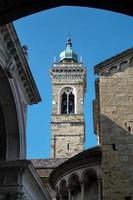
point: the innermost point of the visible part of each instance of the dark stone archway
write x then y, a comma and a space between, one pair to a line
12, 10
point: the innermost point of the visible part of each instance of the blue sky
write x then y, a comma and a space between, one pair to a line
96, 35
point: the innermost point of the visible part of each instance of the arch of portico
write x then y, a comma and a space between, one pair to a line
80, 177
80, 184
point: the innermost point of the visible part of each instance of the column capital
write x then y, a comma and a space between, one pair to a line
68, 187
69, 190
99, 178
82, 182
82, 185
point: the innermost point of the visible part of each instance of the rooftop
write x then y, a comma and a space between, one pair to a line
68, 54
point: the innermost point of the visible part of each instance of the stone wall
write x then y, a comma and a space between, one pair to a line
116, 128
67, 138
67, 130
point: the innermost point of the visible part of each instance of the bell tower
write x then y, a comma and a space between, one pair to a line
68, 77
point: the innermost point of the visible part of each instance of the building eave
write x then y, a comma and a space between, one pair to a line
24, 168
113, 60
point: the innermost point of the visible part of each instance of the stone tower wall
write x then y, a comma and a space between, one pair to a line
67, 130
67, 138
113, 113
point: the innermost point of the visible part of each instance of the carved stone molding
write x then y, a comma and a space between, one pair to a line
19, 63
115, 64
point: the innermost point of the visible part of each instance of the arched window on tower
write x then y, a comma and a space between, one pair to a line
67, 101
64, 104
71, 103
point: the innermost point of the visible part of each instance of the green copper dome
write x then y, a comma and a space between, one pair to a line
68, 54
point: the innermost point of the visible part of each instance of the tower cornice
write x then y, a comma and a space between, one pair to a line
71, 72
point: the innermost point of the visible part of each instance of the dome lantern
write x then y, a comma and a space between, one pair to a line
68, 54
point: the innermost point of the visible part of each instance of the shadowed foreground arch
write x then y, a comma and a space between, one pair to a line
12, 10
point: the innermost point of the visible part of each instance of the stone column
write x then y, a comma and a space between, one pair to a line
69, 193
99, 181
82, 185
60, 196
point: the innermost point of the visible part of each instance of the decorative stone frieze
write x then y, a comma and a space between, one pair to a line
19, 63
118, 63
66, 124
